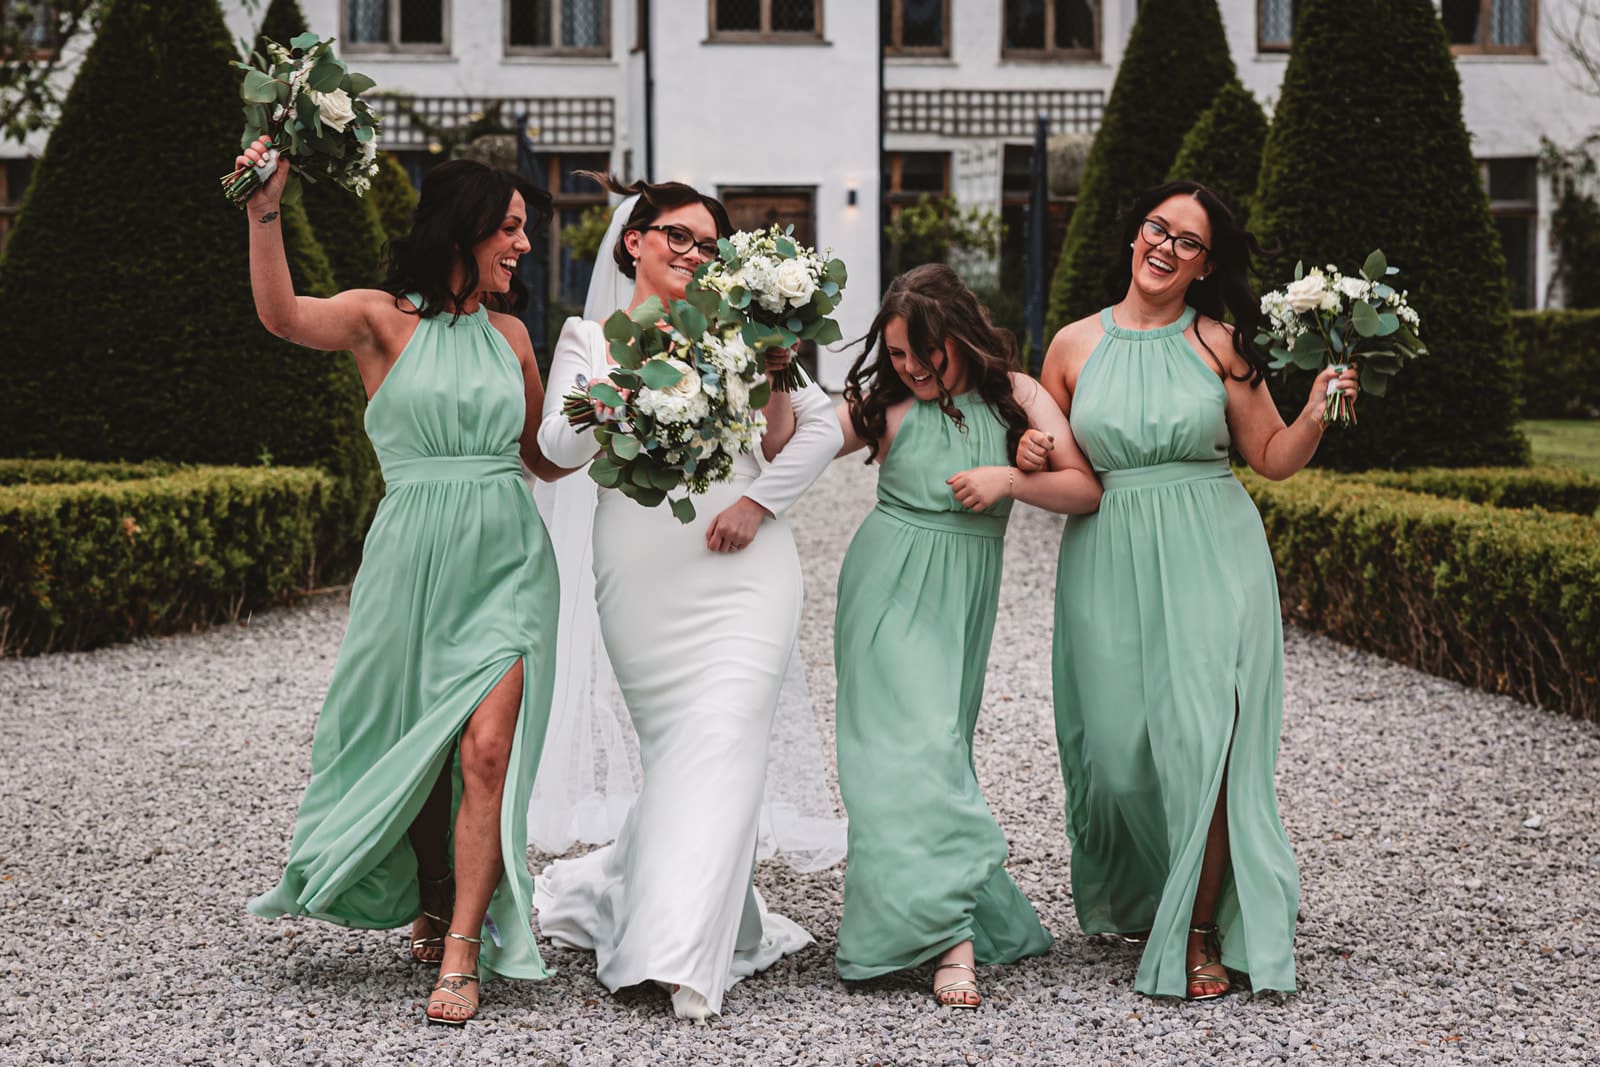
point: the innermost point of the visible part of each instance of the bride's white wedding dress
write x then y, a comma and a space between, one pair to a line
700, 642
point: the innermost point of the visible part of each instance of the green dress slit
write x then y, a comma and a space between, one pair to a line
457, 585
918, 593
1169, 668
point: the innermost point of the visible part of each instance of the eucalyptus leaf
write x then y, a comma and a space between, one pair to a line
688, 319
682, 510
1388, 322
1299, 269
624, 447
1309, 343
327, 75
828, 332
606, 394
1375, 267
647, 314
786, 247
649, 496
1364, 319
1372, 381
657, 374
355, 84
829, 289
259, 88
625, 355
760, 393
834, 271
663, 478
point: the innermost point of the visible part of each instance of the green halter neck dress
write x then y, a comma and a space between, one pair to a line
457, 584
1166, 622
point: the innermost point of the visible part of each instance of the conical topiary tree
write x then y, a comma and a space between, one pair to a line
1176, 60
394, 196
1223, 149
127, 329
1367, 150
346, 225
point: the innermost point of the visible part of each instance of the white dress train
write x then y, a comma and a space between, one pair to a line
700, 643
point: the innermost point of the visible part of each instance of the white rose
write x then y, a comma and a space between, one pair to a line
738, 392
1305, 293
686, 385
792, 281
1354, 288
333, 108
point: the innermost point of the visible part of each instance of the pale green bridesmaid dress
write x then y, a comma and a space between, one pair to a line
918, 593
1166, 621
457, 584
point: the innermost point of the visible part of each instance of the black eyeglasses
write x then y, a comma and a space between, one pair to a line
681, 240
1183, 247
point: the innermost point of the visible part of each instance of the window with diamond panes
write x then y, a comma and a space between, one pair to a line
1275, 25
916, 27
1051, 29
765, 20
573, 27
396, 25
1491, 25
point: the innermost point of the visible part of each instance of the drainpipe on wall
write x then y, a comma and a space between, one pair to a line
883, 113
646, 15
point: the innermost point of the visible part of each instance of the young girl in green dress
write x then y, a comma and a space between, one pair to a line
1169, 648
936, 403
445, 671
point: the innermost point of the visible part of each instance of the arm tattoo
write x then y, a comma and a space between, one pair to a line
268, 217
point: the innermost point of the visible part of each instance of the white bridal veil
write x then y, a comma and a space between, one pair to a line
589, 773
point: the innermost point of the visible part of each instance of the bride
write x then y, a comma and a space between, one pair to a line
699, 622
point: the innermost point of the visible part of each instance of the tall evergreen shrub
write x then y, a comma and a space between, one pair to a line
1367, 150
127, 328
1222, 149
347, 226
1176, 61
394, 196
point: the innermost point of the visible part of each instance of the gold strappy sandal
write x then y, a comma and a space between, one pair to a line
434, 889
964, 988
439, 987
1198, 978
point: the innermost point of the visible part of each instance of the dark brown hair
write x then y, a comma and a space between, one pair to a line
1223, 291
936, 307
462, 203
654, 199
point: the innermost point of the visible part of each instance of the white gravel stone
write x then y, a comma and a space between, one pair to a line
150, 790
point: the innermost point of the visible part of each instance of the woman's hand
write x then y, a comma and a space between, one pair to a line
981, 488
270, 194
1034, 449
1317, 402
736, 527
778, 360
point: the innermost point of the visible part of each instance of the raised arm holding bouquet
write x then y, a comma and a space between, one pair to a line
303, 102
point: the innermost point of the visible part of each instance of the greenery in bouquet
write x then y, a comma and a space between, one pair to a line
1327, 318
775, 291
683, 400
309, 104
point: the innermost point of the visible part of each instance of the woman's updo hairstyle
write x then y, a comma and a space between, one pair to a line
655, 199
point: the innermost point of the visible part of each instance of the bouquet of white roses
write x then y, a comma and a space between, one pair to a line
1325, 318
683, 401
309, 103
776, 291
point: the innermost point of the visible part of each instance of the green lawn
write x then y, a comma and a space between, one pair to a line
1565, 442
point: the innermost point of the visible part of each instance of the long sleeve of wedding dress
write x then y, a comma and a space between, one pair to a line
817, 439
573, 359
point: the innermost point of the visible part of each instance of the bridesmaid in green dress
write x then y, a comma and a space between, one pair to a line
1169, 647
935, 402
442, 684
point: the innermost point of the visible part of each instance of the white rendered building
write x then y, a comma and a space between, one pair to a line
832, 114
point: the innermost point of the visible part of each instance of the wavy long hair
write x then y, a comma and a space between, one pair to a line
462, 203
1226, 290
655, 198
936, 307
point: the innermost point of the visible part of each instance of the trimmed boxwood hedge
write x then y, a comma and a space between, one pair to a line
1176, 60
85, 563
1550, 488
67, 471
1368, 150
1502, 599
1560, 355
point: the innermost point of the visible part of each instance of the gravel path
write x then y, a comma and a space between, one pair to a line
1449, 844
